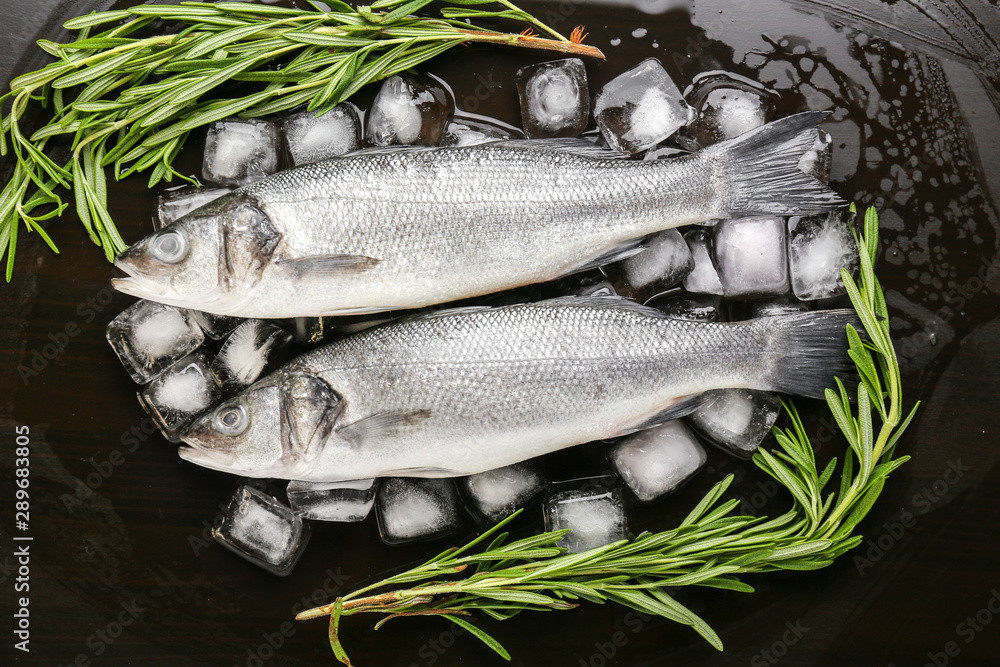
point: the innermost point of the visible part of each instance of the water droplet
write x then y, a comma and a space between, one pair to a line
615, 41
639, 33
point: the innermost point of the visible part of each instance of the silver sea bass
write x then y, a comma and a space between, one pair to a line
411, 227
462, 391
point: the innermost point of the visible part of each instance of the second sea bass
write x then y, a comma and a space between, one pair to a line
411, 227
461, 391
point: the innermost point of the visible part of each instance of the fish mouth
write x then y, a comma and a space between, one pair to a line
192, 453
135, 283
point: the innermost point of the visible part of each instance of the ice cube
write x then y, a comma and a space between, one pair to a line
818, 160
311, 139
693, 307
818, 247
640, 108
496, 494
727, 105
462, 131
594, 515
148, 337
332, 501
555, 100
737, 420
240, 151
178, 396
658, 460
664, 263
178, 202
411, 509
254, 347
781, 305
704, 277
408, 110
257, 527
750, 254
215, 326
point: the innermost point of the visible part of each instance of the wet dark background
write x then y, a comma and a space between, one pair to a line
119, 521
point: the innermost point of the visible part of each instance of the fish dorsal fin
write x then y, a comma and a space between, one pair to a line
611, 302
574, 145
389, 150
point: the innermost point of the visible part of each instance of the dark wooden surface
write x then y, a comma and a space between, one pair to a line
120, 570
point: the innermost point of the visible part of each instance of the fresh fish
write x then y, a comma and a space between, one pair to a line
461, 391
405, 228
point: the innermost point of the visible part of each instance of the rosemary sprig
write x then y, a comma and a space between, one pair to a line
130, 95
711, 546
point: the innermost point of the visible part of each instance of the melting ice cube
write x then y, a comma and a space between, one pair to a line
664, 263
737, 420
496, 494
148, 337
640, 108
462, 131
215, 326
332, 501
693, 307
240, 151
410, 509
727, 105
658, 460
262, 530
704, 277
173, 204
408, 110
254, 347
555, 101
311, 139
595, 516
750, 254
818, 247
178, 396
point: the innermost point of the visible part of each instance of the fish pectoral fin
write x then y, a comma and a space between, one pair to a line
616, 254
331, 263
383, 424
681, 407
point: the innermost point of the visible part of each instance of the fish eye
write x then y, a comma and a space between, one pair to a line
231, 419
170, 247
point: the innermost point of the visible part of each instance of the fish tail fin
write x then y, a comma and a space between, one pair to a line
758, 172
807, 350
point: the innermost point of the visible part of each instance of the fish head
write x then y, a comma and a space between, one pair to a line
209, 260
276, 428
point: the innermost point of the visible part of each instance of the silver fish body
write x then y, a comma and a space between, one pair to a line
459, 392
411, 227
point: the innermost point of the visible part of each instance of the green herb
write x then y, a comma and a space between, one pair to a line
711, 546
128, 99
